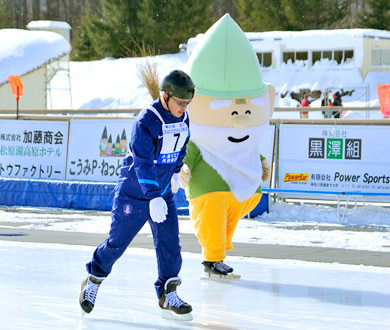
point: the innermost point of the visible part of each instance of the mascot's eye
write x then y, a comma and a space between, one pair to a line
234, 113
248, 112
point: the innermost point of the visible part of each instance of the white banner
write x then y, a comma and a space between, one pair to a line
97, 149
335, 158
33, 149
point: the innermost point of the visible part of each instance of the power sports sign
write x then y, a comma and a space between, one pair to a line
334, 158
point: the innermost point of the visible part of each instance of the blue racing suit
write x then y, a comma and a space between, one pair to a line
156, 151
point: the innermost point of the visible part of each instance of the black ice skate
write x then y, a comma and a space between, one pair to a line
226, 267
172, 307
218, 270
89, 289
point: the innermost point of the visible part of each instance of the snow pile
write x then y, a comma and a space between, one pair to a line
114, 83
28, 50
48, 25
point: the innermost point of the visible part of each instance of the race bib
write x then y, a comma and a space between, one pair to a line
174, 137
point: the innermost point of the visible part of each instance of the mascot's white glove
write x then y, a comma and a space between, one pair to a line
266, 170
185, 174
175, 182
158, 209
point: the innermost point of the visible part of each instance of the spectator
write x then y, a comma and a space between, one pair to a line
337, 102
326, 102
305, 103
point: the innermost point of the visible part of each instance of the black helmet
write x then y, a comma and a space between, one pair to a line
178, 83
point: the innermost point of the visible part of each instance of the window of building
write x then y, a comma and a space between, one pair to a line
327, 54
348, 55
288, 56
295, 56
265, 59
316, 56
301, 56
386, 57
380, 57
340, 56
376, 57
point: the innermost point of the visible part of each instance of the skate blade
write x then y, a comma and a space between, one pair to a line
82, 312
212, 276
169, 315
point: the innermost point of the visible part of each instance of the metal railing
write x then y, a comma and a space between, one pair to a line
66, 114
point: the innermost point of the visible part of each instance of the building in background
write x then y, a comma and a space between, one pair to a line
295, 61
38, 56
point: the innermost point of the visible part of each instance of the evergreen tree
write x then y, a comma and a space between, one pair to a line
118, 27
377, 16
221, 7
166, 24
5, 13
82, 44
313, 14
109, 30
265, 15
290, 15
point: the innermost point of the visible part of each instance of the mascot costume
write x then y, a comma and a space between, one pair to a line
229, 114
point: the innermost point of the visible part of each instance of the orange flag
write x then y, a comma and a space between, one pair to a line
384, 99
16, 86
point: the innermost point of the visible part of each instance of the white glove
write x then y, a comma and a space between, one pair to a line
185, 175
266, 170
175, 182
158, 209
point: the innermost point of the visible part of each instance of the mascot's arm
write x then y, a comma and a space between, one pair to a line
190, 160
185, 174
266, 169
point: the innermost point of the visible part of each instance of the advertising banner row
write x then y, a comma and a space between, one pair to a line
311, 157
82, 150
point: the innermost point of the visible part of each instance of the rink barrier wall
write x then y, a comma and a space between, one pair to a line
56, 194
67, 194
85, 195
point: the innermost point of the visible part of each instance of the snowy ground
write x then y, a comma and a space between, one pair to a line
280, 226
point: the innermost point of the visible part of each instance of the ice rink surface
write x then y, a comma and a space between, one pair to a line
40, 283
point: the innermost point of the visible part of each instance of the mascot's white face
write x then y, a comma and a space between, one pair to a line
230, 128
238, 113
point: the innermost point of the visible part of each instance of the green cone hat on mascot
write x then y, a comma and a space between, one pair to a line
224, 63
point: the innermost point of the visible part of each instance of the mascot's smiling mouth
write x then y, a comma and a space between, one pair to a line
232, 139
